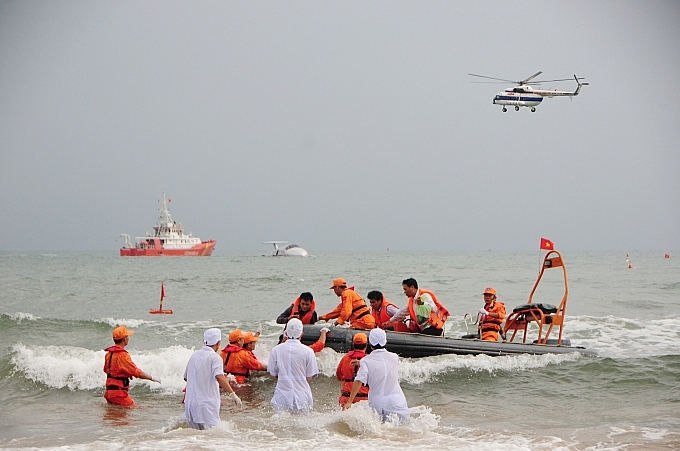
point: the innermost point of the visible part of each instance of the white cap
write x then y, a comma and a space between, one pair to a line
377, 337
294, 328
212, 336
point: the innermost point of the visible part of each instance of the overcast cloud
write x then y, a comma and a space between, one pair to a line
339, 125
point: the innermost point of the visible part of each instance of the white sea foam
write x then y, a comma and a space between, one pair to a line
359, 429
131, 323
418, 371
82, 369
21, 316
618, 337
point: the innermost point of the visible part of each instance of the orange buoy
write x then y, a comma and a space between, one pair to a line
160, 307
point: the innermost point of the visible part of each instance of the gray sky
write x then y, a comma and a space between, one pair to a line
339, 125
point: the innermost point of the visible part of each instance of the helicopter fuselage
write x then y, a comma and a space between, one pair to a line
518, 96
525, 95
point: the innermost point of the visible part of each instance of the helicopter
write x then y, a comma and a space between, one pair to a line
525, 95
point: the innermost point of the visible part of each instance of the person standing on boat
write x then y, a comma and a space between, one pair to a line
120, 368
348, 368
383, 310
492, 316
352, 308
204, 376
304, 309
292, 364
433, 323
380, 371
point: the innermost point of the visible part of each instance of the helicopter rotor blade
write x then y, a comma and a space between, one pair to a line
493, 78
559, 79
523, 82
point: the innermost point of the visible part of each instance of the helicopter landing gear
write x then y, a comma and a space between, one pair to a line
505, 110
516, 108
533, 109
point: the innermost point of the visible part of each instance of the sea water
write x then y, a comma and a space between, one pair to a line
57, 311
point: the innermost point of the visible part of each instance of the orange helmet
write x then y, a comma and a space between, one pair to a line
489, 290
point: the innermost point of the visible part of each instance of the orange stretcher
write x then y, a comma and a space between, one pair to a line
545, 316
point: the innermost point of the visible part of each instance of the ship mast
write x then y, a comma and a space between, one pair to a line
164, 219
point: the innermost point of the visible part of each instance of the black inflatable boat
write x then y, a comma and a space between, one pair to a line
544, 319
417, 345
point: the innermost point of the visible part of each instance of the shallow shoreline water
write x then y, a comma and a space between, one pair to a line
57, 311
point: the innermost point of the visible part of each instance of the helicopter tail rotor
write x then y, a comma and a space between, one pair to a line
579, 85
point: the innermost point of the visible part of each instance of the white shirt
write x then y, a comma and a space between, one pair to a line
380, 371
292, 363
202, 402
404, 313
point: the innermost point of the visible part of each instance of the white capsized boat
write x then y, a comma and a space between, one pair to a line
292, 250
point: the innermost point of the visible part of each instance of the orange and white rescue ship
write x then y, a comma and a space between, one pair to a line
168, 239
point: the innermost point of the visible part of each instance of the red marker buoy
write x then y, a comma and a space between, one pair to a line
160, 307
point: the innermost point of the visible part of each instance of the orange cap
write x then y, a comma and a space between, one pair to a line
339, 282
489, 290
360, 339
235, 336
249, 338
121, 332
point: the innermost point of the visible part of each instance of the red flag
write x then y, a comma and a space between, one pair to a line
162, 291
547, 245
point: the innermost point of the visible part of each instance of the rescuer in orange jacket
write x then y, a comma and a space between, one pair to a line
348, 367
437, 313
383, 310
352, 308
119, 369
304, 309
232, 353
492, 316
241, 362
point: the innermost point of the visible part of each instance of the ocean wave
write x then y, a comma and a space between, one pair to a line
20, 316
127, 322
82, 369
428, 369
618, 337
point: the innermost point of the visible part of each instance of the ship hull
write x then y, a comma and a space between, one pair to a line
418, 345
204, 249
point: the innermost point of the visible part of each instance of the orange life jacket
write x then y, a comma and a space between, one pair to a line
226, 355
116, 379
307, 317
346, 373
489, 323
359, 308
437, 317
381, 317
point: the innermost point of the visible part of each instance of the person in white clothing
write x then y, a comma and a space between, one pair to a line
380, 371
204, 376
292, 364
